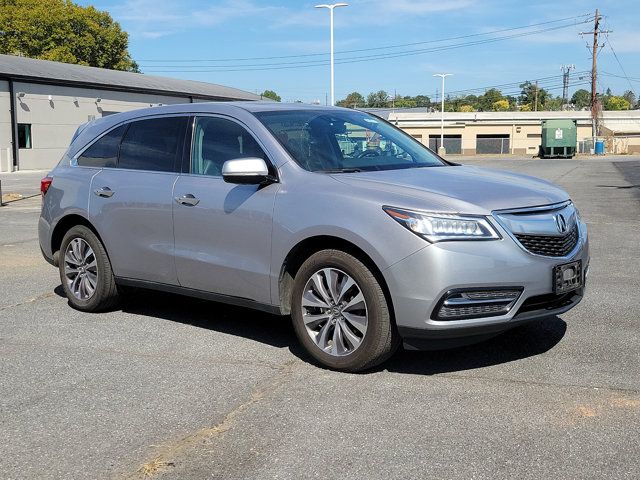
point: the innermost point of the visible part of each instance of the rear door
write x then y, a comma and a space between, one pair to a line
222, 231
131, 203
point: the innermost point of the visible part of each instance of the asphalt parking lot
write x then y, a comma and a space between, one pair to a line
172, 387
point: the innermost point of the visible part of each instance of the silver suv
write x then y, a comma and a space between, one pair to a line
333, 216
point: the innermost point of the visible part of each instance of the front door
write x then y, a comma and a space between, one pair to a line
222, 231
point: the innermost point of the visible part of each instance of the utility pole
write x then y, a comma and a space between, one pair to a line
565, 82
535, 107
595, 104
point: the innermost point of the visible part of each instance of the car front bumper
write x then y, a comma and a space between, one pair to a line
418, 282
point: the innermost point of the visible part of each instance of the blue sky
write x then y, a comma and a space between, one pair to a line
164, 33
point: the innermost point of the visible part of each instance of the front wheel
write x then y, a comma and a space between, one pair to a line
340, 313
85, 271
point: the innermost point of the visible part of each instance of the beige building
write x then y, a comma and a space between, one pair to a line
42, 104
517, 133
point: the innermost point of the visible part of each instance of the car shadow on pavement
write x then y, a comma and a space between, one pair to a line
524, 341
521, 342
259, 326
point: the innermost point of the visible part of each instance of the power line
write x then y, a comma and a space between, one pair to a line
631, 79
357, 59
387, 47
618, 60
542, 81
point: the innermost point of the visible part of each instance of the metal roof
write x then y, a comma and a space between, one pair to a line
45, 71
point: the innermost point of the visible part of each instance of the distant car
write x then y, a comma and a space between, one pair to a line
257, 204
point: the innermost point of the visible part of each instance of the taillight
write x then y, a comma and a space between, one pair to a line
45, 183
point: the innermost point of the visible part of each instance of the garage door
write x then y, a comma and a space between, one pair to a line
488, 144
452, 143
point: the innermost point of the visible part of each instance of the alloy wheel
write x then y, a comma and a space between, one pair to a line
80, 269
334, 311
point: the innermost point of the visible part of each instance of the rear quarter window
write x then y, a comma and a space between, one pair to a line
104, 152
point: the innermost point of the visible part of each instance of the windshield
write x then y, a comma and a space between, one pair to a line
345, 141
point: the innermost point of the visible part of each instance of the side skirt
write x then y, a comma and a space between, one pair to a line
191, 292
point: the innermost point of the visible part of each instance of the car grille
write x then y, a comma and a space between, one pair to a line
549, 245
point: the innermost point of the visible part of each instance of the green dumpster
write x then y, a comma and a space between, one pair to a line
559, 139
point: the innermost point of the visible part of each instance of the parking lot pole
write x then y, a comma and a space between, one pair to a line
1, 203
442, 150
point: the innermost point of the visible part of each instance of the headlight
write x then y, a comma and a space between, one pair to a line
437, 227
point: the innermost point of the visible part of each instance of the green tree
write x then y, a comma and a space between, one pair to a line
485, 102
62, 31
630, 97
581, 98
271, 94
405, 102
501, 105
422, 101
614, 102
553, 103
530, 92
353, 100
379, 99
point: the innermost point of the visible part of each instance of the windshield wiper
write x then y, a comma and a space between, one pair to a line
340, 170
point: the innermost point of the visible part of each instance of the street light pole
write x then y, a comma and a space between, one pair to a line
442, 150
331, 8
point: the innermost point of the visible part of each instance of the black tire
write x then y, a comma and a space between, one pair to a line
381, 339
105, 295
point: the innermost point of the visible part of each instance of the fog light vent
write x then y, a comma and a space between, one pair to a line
476, 303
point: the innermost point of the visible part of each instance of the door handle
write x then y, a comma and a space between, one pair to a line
188, 200
104, 192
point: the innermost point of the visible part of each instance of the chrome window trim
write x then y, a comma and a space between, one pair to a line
551, 208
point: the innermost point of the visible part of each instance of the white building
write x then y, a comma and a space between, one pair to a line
42, 103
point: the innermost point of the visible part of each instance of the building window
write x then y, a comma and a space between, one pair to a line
24, 135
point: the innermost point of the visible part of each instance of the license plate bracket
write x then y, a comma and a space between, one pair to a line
567, 277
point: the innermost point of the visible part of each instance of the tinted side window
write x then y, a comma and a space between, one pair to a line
104, 152
216, 140
152, 144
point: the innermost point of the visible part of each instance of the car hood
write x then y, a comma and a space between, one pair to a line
461, 189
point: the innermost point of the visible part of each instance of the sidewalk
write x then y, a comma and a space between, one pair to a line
21, 184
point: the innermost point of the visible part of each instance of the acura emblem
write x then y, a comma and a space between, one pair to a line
561, 223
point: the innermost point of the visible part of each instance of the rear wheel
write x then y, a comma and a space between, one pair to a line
85, 271
340, 312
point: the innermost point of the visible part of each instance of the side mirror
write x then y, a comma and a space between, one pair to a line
246, 171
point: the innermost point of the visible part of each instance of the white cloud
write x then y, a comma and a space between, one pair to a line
414, 7
157, 18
